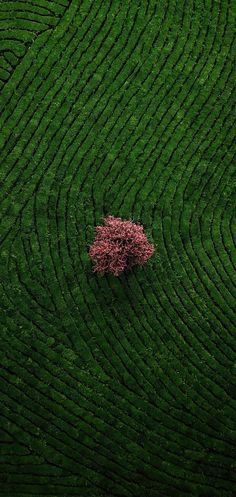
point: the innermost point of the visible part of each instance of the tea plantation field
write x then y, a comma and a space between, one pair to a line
117, 386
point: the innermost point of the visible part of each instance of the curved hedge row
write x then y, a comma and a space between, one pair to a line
117, 386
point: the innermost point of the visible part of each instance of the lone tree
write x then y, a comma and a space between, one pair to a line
119, 245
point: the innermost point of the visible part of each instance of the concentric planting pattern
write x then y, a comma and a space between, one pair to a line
117, 386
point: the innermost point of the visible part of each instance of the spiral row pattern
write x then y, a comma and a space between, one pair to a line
117, 387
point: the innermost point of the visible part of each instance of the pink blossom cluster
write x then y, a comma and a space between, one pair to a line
119, 245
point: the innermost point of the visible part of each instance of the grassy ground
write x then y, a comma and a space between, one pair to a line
117, 386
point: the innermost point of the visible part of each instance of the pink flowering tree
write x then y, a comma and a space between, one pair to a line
119, 245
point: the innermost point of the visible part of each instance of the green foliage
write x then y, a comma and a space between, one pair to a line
117, 386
